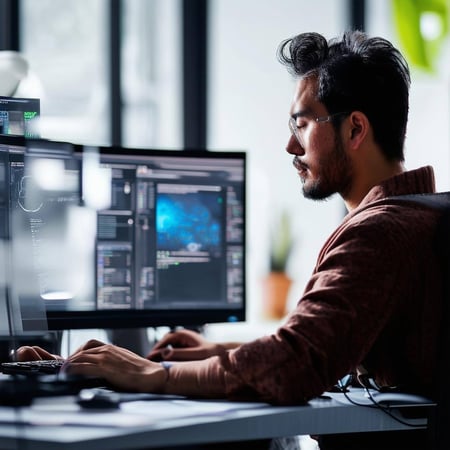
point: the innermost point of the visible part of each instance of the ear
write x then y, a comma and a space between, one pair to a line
358, 129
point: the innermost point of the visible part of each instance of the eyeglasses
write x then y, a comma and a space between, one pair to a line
296, 130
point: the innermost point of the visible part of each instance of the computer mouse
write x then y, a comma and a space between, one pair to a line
98, 399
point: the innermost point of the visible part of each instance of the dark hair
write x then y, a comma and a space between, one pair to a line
356, 73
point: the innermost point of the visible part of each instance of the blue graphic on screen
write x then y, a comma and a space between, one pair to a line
189, 221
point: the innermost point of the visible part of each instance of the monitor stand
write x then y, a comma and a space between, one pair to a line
134, 339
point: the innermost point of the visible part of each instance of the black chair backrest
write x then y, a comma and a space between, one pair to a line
440, 423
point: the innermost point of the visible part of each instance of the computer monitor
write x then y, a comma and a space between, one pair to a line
170, 247
49, 260
19, 116
10, 311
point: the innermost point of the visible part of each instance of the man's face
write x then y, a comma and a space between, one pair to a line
321, 161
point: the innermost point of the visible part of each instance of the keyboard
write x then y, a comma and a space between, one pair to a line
42, 378
38, 367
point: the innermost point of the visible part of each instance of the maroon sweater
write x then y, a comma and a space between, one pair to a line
373, 299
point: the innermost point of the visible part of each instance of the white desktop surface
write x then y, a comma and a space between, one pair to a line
53, 423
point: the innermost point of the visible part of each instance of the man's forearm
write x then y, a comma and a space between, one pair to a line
205, 378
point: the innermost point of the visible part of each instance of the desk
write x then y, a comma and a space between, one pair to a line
58, 422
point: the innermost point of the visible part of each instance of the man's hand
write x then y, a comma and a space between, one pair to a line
27, 353
185, 345
119, 366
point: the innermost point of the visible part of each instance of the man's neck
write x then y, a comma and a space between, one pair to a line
368, 179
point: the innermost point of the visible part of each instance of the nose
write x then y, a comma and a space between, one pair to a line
293, 146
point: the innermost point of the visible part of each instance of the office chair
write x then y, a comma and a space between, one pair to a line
442, 420
439, 434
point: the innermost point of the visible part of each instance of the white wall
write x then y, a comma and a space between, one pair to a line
250, 94
428, 134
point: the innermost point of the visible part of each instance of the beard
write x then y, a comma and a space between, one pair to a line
335, 175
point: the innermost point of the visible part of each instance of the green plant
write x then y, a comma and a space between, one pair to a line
422, 27
281, 243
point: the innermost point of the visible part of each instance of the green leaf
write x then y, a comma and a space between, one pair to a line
411, 18
281, 243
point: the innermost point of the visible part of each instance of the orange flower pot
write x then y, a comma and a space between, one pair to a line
275, 294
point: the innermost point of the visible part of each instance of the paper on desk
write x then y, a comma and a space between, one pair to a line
130, 414
186, 408
92, 418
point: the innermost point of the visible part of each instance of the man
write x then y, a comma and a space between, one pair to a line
373, 301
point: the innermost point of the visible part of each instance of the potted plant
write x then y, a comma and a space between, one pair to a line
277, 282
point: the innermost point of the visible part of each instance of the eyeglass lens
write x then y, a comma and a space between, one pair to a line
294, 130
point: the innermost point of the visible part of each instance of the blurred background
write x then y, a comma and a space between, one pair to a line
204, 74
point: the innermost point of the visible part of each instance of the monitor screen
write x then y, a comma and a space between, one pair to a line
19, 116
169, 247
6, 327
49, 261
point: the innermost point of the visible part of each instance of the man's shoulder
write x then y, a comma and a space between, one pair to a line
394, 220
403, 206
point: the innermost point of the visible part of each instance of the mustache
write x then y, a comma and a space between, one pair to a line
298, 164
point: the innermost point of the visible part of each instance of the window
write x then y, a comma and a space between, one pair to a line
151, 74
68, 48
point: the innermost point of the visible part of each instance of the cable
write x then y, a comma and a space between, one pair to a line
385, 409
343, 385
